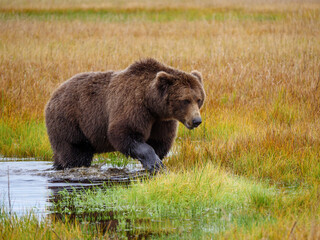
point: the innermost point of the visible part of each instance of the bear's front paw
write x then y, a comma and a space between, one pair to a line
155, 167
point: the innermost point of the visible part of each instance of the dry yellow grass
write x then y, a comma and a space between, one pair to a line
261, 76
245, 64
85, 4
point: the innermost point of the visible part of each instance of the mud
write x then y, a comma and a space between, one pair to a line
96, 173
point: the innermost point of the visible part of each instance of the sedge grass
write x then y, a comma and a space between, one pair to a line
210, 200
24, 139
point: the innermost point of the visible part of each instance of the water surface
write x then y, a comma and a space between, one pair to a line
27, 184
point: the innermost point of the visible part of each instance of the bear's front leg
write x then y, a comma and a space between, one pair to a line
131, 143
146, 155
162, 136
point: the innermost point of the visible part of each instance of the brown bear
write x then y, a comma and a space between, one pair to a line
134, 111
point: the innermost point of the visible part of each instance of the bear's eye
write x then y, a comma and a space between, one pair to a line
186, 102
199, 102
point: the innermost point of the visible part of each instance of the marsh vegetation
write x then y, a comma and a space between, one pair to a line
251, 171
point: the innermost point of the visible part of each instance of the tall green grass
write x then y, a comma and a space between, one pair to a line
198, 204
27, 138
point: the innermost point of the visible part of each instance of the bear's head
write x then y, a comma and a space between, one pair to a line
182, 95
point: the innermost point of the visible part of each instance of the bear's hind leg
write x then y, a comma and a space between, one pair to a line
57, 164
73, 155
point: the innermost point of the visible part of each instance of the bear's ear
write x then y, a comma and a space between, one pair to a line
198, 75
163, 81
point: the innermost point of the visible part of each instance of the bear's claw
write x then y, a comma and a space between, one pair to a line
154, 168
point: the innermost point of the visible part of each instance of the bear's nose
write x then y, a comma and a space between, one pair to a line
196, 121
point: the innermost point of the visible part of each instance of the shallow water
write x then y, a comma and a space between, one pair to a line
27, 184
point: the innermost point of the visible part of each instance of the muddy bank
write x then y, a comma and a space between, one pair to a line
96, 173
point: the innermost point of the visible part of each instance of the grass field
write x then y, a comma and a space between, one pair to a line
261, 66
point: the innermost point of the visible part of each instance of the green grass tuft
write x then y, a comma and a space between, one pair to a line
24, 138
208, 199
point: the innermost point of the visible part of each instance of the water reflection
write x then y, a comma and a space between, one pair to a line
33, 185
25, 189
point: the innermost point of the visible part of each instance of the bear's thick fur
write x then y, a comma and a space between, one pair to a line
134, 111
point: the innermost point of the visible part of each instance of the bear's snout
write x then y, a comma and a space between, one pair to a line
193, 122
196, 122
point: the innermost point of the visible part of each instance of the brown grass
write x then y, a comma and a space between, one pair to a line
98, 4
246, 65
261, 77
